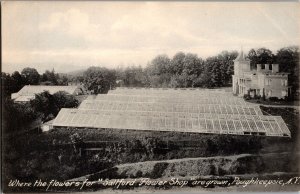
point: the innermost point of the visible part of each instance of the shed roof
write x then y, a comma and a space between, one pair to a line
31, 90
24, 98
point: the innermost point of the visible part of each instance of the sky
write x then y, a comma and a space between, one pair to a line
69, 36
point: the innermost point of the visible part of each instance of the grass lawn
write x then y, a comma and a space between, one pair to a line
279, 102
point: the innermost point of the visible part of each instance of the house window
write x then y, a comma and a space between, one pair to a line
270, 93
270, 67
262, 66
268, 82
283, 93
284, 82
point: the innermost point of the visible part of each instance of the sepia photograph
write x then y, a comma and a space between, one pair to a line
150, 96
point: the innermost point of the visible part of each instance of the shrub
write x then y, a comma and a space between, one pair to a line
257, 97
213, 170
158, 170
273, 99
139, 174
247, 97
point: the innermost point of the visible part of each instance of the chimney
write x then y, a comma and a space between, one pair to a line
275, 68
258, 67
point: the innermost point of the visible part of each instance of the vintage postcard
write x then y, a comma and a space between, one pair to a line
151, 96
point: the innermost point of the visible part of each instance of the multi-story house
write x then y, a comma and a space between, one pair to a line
265, 80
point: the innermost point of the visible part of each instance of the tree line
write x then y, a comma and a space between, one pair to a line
183, 70
188, 70
11, 83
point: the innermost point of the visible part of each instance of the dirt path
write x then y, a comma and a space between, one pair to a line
275, 105
183, 160
281, 106
232, 157
150, 164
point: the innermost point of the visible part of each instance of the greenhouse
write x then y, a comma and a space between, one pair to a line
189, 110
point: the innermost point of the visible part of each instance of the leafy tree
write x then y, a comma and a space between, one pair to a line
62, 80
99, 80
18, 81
134, 77
252, 56
50, 76
16, 116
177, 63
158, 71
215, 72
225, 59
193, 67
44, 103
265, 56
160, 65
31, 76
65, 100
288, 60
11, 83
218, 70
6, 85
204, 80
49, 105
155, 81
177, 81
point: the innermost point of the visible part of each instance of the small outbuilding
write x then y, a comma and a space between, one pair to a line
28, 92
47, 126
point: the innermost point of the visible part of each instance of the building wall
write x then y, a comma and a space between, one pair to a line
276, 86
245, 66
240, 67
265, 81
46, 127
254, 80
268, 85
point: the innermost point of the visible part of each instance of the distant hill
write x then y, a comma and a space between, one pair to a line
76, 73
